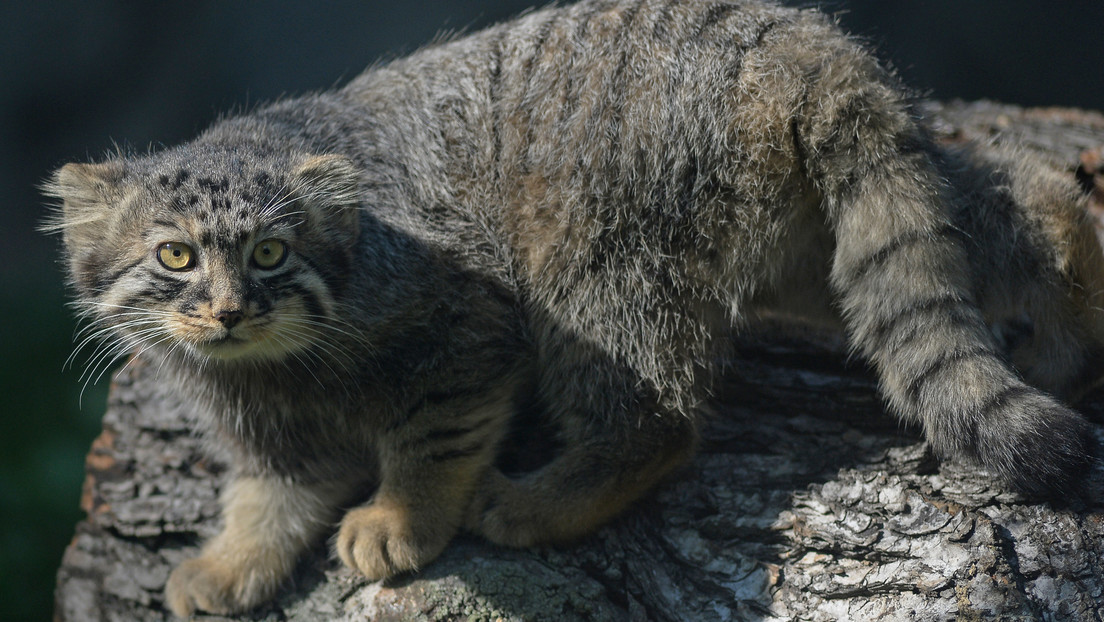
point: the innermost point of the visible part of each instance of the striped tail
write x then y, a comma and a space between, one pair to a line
906, 296
903, 281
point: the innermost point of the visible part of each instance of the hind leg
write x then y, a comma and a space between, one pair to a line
610, 460
1044, 285
1052, 348
621, 383
1066, 351
581, 490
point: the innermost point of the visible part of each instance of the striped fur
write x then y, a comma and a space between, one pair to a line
576, 209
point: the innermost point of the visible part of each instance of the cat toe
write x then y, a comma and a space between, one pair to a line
380, 542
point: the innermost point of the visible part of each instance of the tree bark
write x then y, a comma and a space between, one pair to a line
806, 502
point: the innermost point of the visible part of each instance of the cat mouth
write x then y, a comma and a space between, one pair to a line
230, 346
247, 341
226, 346
227, 340
227, 337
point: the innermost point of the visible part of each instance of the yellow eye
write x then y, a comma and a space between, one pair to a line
269, 254
176, 256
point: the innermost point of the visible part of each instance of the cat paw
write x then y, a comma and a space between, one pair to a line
380, 541
210, 584
500, 514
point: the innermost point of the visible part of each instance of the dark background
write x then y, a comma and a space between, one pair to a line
78, 77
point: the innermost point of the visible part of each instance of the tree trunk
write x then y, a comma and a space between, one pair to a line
806, 502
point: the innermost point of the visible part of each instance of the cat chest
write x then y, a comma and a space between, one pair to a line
305, 434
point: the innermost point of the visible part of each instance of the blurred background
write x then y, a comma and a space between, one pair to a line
77, 77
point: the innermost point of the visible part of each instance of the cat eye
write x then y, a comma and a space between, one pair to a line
269, 254
176, 256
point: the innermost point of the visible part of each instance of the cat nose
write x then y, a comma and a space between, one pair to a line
229, 319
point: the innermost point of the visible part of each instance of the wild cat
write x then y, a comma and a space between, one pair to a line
356, 289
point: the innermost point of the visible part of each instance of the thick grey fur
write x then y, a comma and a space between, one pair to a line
572, 212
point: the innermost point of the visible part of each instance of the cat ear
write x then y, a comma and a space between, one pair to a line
89, 195
327, 179
86, 191
329, 185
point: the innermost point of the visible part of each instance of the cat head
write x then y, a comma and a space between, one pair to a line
210, 251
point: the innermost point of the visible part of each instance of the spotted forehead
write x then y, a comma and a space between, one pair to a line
242, 192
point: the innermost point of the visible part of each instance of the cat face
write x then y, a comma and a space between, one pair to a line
208, 253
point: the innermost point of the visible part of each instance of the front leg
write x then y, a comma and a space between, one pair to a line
268, 523
429, 467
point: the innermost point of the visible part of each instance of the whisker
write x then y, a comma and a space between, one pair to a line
338, 352
314, 320
111, 305
123, 341
142, 350
318, 346
103, 331
294, 352
278, 201
102, 328
111, 350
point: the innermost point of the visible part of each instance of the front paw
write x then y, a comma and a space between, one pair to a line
211, 584
383, 540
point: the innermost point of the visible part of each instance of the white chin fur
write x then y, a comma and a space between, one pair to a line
246, 350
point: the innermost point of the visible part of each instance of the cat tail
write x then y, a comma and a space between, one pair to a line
903, 283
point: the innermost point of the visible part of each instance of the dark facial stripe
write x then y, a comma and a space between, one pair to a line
257, 295
101, 282
162, 288
333, 276
309, 299
192, 298
221, 244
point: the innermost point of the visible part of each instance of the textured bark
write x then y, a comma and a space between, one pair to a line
806, 502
